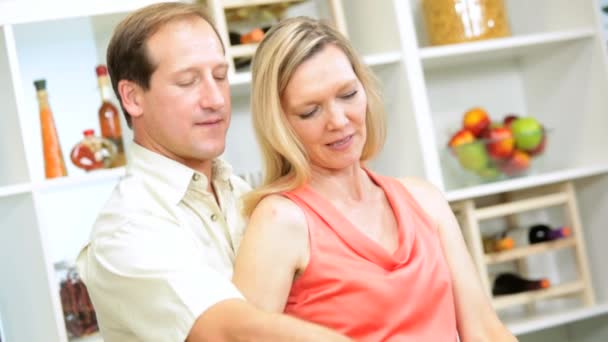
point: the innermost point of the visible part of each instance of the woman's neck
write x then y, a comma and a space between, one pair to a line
349, 184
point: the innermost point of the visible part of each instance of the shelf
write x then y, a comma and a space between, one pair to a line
16, 12
96, 337
243, 50
501, 302
72, 181
517, 46
532, 324
246, 3
521, 252
514, 207
377, 59
525, 182
16, 189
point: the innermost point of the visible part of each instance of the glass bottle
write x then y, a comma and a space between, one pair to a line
510, 283
109, 115
542, 233
499, 243
93, 152
54, 165
78, 311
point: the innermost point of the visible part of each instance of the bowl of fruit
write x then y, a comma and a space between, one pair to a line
492, 150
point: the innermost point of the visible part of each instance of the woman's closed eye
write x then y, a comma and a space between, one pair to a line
308, 114
349, 95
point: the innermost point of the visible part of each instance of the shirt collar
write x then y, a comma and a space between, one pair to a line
171, 179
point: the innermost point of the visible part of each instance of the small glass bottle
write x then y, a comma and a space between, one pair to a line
109, 115
93, 152
54, 165
78, 311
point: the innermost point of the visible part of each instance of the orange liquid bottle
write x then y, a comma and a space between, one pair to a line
109, 115
54, 165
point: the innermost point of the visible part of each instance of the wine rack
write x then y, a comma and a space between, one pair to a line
470, 213
218, 11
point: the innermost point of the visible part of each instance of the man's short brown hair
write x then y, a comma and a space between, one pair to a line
127, 55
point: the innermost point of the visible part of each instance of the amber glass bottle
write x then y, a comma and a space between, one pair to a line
109, 115
54, 165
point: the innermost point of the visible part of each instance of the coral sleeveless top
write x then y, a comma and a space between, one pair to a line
355, 286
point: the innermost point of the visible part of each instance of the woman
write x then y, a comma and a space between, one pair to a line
330, 241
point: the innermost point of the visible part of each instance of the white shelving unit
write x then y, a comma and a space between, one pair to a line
553, 67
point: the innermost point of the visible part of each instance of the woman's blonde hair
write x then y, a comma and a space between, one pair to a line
286, 46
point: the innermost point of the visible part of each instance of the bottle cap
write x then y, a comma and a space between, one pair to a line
88, 132
101, 70
545, 283
40, 84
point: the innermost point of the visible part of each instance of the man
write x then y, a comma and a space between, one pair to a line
159, 262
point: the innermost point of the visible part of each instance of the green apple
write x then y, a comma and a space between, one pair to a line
488, 173
472, 156
528, 133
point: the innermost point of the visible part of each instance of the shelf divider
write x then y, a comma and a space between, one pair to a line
522, 252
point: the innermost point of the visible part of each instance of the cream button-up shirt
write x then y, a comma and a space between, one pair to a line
162, 250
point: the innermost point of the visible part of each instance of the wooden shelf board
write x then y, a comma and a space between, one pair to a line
521, 252
501, 302
468, 53
376, 59
514, 207
19, 12
95, 337
540, 321
15, 189
525, 182
246, 3
71, 181
244, 50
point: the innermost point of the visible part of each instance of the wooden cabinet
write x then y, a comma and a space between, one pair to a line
553, 67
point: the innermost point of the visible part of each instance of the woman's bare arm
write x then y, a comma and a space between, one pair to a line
274, 248
476, 319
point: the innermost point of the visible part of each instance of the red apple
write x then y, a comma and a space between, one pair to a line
464, 136
476, 120
500, 143
518, 162
508, 119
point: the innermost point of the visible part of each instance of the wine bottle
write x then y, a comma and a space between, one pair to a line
510, 283
497, 243
109, 116
542, 233
54, 165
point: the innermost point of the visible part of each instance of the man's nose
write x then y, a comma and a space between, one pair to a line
212, 96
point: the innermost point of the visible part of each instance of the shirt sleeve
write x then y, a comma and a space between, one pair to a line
150, 277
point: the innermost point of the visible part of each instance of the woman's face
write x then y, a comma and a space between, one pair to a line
325, 104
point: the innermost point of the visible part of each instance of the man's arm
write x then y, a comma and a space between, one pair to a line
236, 320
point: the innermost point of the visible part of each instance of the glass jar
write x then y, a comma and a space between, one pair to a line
93, 152
78, 311
457, 21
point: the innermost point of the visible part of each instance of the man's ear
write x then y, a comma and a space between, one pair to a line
131, 95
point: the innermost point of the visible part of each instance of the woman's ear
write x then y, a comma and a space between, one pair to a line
131, 95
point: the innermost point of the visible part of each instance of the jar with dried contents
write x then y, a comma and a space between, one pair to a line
457, 21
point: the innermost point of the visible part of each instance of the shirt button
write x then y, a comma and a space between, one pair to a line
213, 217
196, 177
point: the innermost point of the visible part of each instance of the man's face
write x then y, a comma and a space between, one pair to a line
186, 110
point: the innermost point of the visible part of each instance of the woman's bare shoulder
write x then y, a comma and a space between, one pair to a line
428, 196
277, 212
